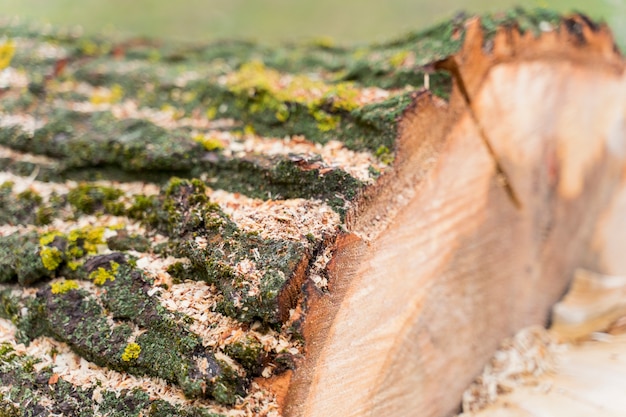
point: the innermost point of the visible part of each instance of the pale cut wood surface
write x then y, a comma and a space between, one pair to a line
419, 304
576, 368
593, 302
586, 380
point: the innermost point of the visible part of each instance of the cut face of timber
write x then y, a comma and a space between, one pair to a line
497, 198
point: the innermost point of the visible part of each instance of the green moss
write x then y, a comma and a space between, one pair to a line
249, 353
88, 199
28, 386
122, 241
526, 20
99, 139
255, 176
44, 215
143, 208
20, 259
26, 207
184, 213
131, 352
61, 287
30, 196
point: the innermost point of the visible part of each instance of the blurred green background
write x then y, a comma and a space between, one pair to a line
346, 21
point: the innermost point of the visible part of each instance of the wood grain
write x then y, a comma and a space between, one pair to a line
421, 302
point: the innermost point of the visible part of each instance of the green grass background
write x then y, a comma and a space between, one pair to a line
346, 21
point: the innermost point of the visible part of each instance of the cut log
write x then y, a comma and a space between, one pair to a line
304, 231
496, 201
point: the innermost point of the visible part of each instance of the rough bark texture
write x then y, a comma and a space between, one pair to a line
187, 228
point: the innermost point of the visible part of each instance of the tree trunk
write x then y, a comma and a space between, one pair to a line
305, 230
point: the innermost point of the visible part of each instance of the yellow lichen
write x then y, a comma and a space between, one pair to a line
102, 275
61, 287
384, 155
323, 42
343, 97
91, 237
189, 96
211, 113
326, 122
396, 60
88, 47
131, 352
51, 257
282, 113
176, 113
7, 50
271, 90
48, 237
108, 96
248, 130
73, 265
210, 143
80, 242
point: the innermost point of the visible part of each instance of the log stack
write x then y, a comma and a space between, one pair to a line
302, 230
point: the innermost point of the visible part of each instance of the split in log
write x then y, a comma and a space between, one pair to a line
311, 230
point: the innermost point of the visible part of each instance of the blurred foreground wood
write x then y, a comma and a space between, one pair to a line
575, 368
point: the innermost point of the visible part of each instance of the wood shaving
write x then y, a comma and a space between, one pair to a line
334, 154
318, 269
529, 354
278, 219
27, 123
13, 78
198, 301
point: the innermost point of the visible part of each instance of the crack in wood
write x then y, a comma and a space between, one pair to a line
449, 64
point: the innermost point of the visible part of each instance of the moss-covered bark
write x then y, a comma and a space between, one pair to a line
38, 393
